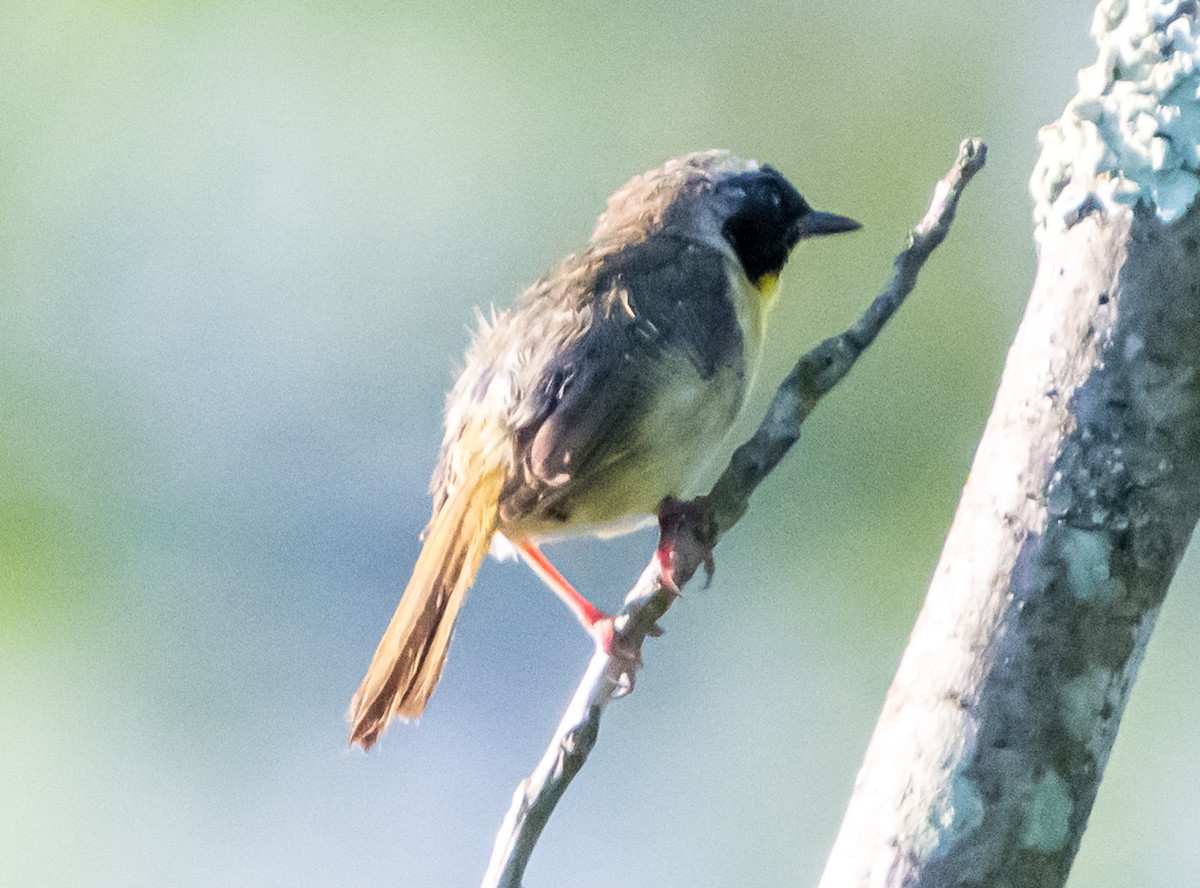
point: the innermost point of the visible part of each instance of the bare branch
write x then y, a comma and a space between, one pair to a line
693, 530
826, 365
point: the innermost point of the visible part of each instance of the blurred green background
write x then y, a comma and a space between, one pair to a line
239, 250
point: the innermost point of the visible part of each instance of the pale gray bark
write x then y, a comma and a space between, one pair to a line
986, 760
1084, 492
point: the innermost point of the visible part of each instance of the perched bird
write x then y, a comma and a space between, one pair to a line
606, 389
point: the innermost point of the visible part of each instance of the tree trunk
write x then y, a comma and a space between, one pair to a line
1084, 492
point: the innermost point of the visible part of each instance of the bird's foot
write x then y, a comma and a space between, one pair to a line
603, 632
687, 532
626, 656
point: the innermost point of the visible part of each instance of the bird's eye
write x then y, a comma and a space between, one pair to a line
776, 200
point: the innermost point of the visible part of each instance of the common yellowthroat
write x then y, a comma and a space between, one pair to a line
606, 389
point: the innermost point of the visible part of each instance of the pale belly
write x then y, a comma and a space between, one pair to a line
676, 442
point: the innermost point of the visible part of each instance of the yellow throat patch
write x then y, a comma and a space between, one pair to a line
768, 296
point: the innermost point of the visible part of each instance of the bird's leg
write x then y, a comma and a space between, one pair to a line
687, 532
598, 624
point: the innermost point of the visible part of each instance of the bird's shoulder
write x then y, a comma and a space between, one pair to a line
582, 346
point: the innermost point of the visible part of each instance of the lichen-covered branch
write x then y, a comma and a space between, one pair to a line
689, 533
1084, 492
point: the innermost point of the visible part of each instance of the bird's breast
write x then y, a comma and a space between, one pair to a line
684, 420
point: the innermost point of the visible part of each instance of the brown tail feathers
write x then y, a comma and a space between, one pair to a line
408, 661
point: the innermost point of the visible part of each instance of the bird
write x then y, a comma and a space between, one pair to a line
605, 390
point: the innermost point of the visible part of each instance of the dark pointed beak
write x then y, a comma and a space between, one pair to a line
814, 224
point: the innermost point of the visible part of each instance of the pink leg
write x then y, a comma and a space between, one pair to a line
598, 624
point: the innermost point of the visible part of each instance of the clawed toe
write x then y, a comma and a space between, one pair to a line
627, 660
687, 534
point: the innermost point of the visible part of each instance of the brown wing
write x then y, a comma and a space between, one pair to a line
664, 294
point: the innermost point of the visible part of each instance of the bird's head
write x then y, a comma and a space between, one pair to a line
718, 198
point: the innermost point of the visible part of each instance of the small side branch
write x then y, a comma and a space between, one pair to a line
828, 364
695, 528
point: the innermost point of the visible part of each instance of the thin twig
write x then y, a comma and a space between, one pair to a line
610, 675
